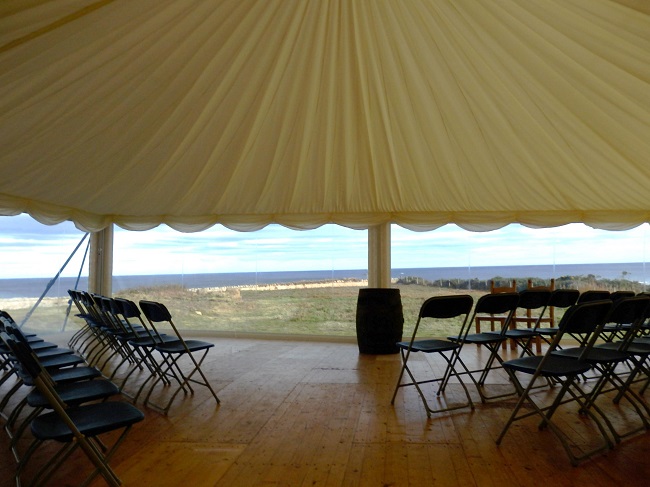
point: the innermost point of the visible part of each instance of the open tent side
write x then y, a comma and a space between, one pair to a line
360, 113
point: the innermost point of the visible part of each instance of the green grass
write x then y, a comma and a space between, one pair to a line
326, 311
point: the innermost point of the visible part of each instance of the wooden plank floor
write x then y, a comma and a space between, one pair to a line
299, 413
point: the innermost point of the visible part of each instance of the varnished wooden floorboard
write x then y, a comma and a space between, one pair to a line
311, 413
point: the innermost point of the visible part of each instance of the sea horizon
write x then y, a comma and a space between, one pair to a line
34, 287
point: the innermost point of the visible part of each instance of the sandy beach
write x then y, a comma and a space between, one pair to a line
290, 285
22, 303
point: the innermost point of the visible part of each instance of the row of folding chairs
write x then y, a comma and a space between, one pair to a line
130, 349
599, 349
50, 394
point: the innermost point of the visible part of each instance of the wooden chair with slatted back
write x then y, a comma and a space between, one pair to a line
495, 319
530, 320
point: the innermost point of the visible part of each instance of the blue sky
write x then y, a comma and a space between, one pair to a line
30, 249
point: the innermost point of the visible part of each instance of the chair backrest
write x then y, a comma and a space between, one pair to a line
88, 303
25, 363
632, 312
593, 295
26, 366
17, 334
6, 317
499, 303
616, 295
5, 320
447, 306
564, 298
647, 311
129, 311
584, 319
154, 311
490, 305
157, 313
534, 298
106, 311
628, 310
76, 299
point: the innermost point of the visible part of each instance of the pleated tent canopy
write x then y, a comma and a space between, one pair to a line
306, 112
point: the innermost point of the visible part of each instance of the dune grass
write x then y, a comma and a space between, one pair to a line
321, 311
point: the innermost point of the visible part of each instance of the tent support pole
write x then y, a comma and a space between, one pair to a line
379, 256
100, 273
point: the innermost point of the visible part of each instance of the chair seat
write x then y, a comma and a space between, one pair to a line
60, 361
481, 338
53, 352
151, 342
518, 333
74, 374
130, 335
32, 338
75, 393
429, 346
177, 346
91, 420
549, 331
554, 366
595, 355
611, 327
633, 348
37, 346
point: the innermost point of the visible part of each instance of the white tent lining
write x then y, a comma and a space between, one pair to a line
303, 113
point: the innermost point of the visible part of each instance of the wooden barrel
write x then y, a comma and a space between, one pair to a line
380, 321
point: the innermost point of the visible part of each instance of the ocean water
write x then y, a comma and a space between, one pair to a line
28, 288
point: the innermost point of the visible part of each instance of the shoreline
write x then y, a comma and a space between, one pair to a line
289, 285
634, 273
9, 304
15, 303
22, 302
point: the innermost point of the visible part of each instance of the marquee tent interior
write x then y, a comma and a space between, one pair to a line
359, 113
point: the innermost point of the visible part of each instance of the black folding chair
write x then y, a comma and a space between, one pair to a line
73, 427
142, 341
639, 351
584, 319
172, 352
616, 360
617, 330
560, 298
529, 300
72, 390
84, 332
49, 355
456, 307
488, 306
593, 295
7, 319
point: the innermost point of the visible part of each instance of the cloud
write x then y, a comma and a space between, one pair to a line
451, 246
30, 249
221, 250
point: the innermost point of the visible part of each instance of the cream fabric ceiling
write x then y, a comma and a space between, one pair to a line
306, 112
